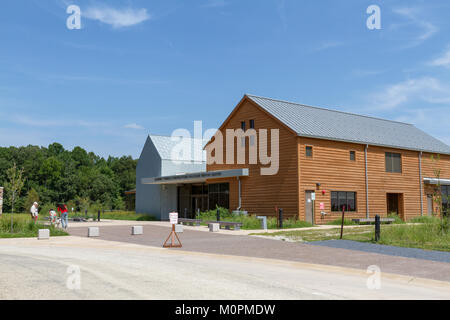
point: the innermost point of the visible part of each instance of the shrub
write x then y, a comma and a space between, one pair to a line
250, 222
397, 219
338, 222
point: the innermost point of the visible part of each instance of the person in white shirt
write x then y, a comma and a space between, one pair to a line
34, 211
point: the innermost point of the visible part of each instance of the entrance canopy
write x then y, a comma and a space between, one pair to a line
442, 182
197, 177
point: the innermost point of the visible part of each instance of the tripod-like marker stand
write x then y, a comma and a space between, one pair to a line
172, 236
173, 216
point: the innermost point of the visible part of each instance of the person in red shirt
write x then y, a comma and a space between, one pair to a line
64, 214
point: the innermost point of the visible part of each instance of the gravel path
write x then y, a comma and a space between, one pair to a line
440, 256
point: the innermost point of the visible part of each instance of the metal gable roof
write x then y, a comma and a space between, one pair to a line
164, 145
328, 124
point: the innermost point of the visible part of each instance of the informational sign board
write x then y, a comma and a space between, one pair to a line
313, 196
173, 216
322, 206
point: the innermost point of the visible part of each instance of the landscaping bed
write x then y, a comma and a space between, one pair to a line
250, 222
428, 235
24, 227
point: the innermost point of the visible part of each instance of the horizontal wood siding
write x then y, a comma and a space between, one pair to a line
260, 194
332, 168
432, 167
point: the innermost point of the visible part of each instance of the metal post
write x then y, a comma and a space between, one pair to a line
98, 216
218, 214
280, 218
377, 227
342, 222
367, 181
420, 183
85, 213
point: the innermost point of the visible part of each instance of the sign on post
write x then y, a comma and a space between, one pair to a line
313, 196
173, 217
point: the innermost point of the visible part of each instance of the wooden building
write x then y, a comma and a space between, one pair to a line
330, 159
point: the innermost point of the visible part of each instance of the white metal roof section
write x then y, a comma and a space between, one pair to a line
436, 181
328, 124
180, 148
196, 177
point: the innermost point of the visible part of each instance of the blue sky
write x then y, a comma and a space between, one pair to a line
139, 67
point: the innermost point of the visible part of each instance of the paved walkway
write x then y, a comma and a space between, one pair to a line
440, 256
256, 247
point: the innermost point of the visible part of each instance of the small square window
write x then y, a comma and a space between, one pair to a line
352, 156
243, 126
309, 152
252, 124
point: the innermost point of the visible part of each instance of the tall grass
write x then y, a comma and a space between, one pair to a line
428, 235
24, 227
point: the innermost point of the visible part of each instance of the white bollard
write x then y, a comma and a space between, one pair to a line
137, 230
179, 228
43, 234
214, 227
93, 232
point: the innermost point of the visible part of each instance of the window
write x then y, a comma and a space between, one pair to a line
219, 195
252, 124
393, 162
445, 192
352, 156
243, 126
339, 199
309, 152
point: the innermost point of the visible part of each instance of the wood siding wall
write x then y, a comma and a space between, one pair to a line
260, 194
332, 168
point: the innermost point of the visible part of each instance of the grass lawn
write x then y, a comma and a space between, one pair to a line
116, 215
23, 227
423, 236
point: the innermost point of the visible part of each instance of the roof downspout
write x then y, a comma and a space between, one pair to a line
239, 188
367, 181
421, 183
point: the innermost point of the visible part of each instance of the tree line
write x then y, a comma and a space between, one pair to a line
55, 175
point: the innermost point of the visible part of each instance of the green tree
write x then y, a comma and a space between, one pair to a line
32, 197
13, 186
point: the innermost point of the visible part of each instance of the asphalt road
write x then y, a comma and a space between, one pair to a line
33, 269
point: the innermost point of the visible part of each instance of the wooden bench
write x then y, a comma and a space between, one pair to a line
191, 222
372, 220
227, 224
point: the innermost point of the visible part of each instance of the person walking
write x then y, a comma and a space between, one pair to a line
34, 211
64, 215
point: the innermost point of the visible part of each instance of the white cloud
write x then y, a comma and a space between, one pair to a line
411, 14
426, 89
443, 60
133, 126
118, 18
